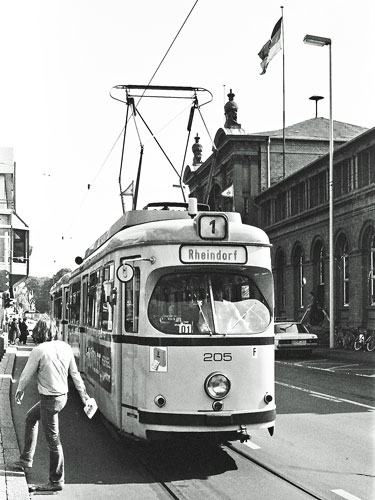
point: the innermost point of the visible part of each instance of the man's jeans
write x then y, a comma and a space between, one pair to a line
47, 411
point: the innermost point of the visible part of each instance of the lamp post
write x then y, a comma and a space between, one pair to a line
320, 41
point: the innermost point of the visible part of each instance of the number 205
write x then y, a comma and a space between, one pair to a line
217, 356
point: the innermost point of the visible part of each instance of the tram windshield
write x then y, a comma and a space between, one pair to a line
207, 303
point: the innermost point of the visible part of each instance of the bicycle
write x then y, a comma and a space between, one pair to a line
349, 338
365, 340
338, 339
344, 338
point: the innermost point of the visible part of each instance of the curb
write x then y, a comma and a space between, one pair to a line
13, 485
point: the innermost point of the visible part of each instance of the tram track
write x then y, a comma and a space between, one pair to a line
274, 472
191, 471
178, 482
210, 487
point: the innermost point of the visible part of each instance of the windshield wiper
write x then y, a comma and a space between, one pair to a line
199, 304
241, 318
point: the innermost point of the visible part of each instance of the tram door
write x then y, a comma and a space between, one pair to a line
65, 312
129, 275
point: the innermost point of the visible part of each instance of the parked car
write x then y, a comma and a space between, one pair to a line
294, 336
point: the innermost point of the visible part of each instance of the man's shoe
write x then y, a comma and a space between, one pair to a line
20, 464
46, 487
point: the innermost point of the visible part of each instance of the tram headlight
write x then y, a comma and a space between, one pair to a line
217, 385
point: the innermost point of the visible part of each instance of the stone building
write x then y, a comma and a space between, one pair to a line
294, 213
278, 180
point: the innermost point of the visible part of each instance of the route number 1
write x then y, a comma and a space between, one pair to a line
213, 227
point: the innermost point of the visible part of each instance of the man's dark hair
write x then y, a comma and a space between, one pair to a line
45, 329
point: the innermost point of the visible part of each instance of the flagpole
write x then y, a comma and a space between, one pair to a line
282, 31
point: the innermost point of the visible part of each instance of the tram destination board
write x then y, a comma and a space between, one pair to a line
213, 254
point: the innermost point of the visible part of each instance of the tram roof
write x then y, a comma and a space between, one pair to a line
62, 281
134, 218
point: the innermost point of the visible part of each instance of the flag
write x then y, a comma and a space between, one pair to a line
271, 47
228, 192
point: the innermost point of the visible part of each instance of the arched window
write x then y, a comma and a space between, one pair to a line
280, 283
319, 271
298, 271
319, 263
342, 259
371, 273
367, 245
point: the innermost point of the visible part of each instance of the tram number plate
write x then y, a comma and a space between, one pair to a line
217, 356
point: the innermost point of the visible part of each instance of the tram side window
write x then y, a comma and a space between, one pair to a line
57, 306
84, 299
66, 303
132, 302
106, 307
92, 299
75, 304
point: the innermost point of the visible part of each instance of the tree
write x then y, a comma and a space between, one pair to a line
38, 292
39, 289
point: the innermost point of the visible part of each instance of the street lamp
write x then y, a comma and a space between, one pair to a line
320, 41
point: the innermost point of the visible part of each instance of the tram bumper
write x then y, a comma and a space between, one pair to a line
221, 425
207, 419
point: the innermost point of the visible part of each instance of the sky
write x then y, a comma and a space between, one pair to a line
61, 58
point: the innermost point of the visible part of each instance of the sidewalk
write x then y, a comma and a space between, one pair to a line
13, 485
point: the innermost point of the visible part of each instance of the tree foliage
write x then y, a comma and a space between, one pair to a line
38, 290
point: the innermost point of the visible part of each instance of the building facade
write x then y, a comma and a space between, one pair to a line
294, 213
14, 232
278, 180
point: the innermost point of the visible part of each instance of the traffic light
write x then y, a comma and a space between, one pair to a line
7, 300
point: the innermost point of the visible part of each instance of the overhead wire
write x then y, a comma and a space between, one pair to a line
150, 81
145, 90
90, 184
173, 41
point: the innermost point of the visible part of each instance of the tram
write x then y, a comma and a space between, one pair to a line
170, 317
59, 305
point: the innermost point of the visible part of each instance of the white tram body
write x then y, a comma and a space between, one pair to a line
171, 322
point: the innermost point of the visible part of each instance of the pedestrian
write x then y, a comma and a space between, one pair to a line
52, 361
14, 332
24, 331
317, 315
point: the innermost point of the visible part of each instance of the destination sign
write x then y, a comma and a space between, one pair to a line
213, 254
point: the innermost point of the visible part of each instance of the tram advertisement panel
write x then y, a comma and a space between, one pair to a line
99, 364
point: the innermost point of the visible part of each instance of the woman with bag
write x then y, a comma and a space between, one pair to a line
14, 332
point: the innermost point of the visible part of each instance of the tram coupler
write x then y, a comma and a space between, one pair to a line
244, 436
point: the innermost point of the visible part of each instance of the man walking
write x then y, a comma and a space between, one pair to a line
52, 361
24, 331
